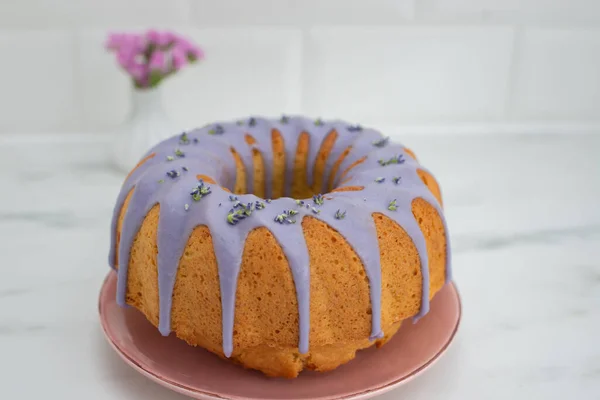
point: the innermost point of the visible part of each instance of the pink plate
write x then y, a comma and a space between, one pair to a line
202, 375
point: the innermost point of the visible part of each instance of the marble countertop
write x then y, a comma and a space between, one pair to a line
524, 214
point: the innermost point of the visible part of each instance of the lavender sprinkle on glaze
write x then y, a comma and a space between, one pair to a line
284, 218
381, 142
399, 159
217, 130
239, 214
340, 214
184, 139
200, 191
318, 199
173, 174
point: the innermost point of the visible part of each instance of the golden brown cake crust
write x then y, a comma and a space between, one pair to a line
266, 315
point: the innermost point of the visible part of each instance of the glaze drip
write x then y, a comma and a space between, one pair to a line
168, 178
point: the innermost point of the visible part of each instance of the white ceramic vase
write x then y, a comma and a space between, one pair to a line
147, 125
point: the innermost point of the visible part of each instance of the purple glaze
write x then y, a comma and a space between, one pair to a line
209, 154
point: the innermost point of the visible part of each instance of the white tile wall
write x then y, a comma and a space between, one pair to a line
247, 71
37, 83
302, 13
512, 11
386, 62
412, 73
36, 14
558, 74
104, 91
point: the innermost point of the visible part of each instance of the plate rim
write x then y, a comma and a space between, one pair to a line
194, 393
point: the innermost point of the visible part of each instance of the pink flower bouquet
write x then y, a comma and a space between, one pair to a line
152, 56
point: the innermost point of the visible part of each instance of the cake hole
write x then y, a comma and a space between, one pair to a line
354, 164
336, 166
322, 156
240, 179
279, 164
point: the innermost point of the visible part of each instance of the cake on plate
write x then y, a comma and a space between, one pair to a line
281, 244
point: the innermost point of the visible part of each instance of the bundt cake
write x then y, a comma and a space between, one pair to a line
280, 244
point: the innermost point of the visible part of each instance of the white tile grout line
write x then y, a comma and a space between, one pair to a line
481, 129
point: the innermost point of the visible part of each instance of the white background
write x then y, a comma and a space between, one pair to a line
513, 65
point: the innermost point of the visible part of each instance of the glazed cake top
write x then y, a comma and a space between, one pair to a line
169, 174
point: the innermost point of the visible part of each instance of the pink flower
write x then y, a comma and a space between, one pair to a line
134, 42
153, 55
157, 61
179, 58
196, 53
153, 36
183, 43
139, 72
125, 58
114, 41
164, 39
193, 52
